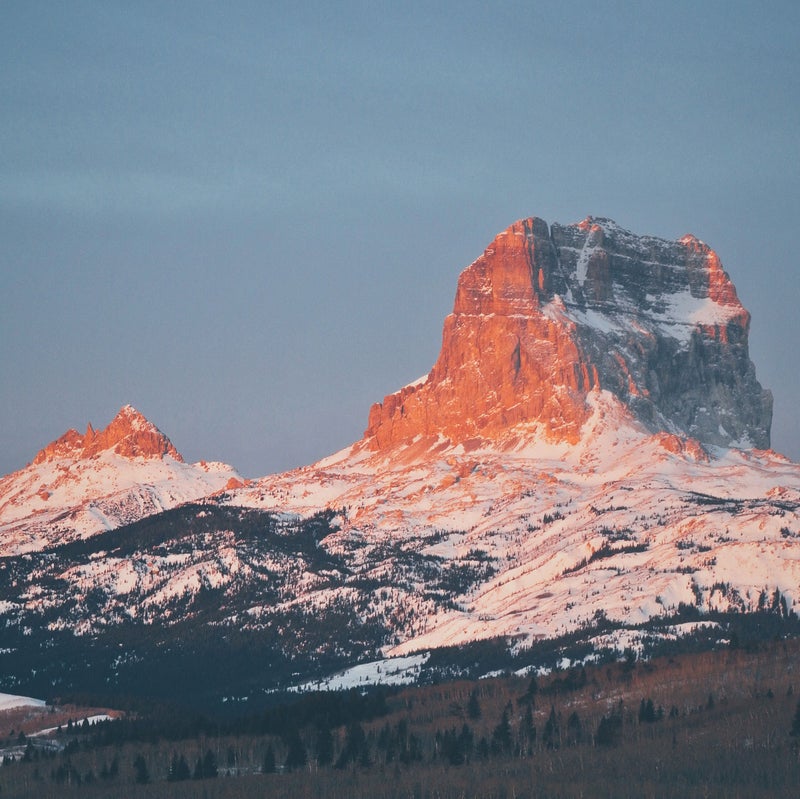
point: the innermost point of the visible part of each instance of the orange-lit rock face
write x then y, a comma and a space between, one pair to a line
502, 360
547, 314
129, 434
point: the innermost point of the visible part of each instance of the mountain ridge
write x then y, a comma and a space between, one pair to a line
580, 459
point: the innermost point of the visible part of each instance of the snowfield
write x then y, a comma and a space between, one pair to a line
10, 701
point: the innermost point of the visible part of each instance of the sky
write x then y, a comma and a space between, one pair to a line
248, 219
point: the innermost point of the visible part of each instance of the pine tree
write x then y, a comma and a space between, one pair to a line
795, 731
355, 741
574, 728
527, 729
552, 733
324, 746
209, 765
501, 736
142, 775
609, 730
647, 712
178, 769
269, 761
465, 740
296, 755
474, 706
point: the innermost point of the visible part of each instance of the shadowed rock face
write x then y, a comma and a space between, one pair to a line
547, 314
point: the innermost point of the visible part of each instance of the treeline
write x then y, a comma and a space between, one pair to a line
728, 721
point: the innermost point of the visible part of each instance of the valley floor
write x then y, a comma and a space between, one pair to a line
716, 724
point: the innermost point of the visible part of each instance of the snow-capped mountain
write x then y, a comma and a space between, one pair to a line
547, 314
589, 452
579, 430
625, 525
80, 485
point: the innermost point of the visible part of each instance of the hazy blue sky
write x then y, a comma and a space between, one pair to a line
248, 219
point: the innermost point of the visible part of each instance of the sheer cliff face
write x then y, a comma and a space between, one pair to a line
545, 315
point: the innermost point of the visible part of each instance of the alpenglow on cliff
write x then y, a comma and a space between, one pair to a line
546, 315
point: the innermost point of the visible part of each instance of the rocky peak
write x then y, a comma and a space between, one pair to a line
129, 434
546, 314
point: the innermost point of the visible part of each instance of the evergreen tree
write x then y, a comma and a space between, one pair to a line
447, 746
354, 743
324, 746
795, 731
647, 712
574, 728
465, 740
269, 761
474, 706
209, 765
552, 731
141, 774
205, 767
527, 729
501, 736
609, 730
296, 755
178, 769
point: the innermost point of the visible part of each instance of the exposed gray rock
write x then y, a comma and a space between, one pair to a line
663, 325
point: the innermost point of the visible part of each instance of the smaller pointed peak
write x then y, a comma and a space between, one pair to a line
129, 412
690, 240
132, 434
129, 434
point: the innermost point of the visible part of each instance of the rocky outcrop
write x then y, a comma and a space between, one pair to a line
546, 314
129, 434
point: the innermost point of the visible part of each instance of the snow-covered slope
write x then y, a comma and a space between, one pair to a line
626, 524
80, 485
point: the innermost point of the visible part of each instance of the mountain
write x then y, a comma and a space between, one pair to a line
79, 485
591, 443
587, 460
546, 315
